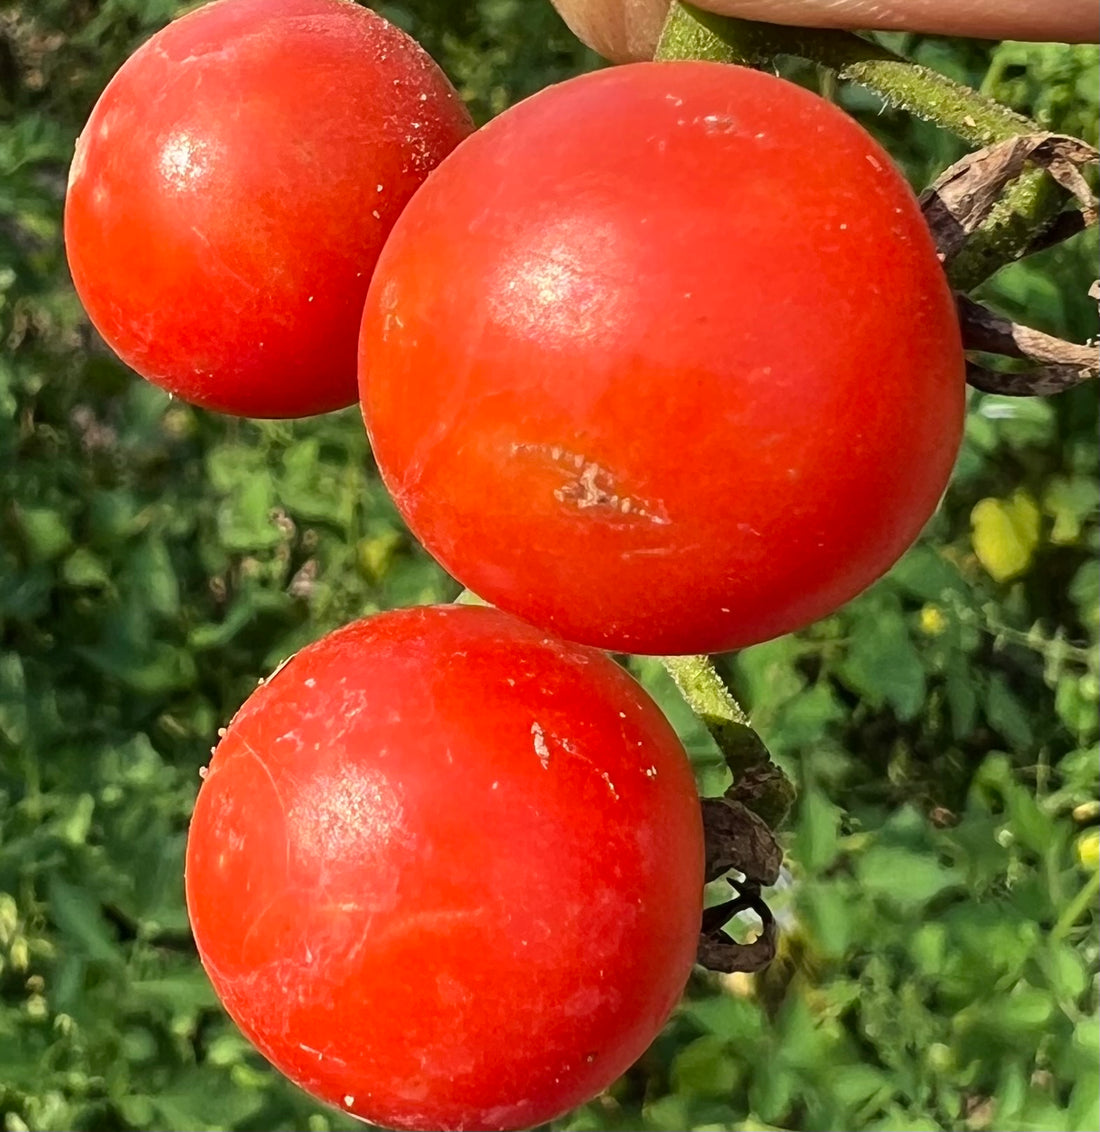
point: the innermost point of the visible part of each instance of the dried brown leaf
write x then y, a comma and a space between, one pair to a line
960, 200
736, 838
1061, 365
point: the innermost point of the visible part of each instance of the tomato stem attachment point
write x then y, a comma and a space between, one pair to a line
758, 783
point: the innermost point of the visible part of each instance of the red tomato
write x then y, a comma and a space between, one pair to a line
231, 191
662, 359
446, 873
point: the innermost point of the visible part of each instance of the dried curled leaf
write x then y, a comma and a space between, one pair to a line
718, 951
960, 200
736, 838
1060, 364
958, 203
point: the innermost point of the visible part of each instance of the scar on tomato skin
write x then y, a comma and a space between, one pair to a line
591, 486
542, 749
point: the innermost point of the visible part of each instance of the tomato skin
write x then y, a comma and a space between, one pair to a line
662, 360
446, 872
232, 189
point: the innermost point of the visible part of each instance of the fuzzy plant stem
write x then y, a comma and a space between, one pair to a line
757, 781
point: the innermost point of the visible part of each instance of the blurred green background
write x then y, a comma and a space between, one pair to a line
938, 968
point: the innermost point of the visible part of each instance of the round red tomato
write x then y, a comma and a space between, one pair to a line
663, 360
231, 191
446, 873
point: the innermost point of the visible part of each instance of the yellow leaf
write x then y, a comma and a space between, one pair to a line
1005, 533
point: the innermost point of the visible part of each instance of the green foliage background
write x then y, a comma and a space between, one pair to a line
939, 963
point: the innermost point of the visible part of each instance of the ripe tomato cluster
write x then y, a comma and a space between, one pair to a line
661, 360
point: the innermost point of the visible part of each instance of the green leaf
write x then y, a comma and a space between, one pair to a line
1029, 823
962, 695
85, 570
1086, 1038
1065, 970
1025, 1010
1084, 1105
1020, 422
816, 843
883, 665
1071, 501
668, 1114
826, 910
705, 1067
928, 947
245, 518
182, 993
78, 915
195, 1102
1006, 714
45, 532
14, 717
926, 574
152, 573
855, 1085
1084, 591
906, 879
738, 1021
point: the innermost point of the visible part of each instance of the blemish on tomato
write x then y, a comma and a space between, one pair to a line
591, 486
541, 749
719, 123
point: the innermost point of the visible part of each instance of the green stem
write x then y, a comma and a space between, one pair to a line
1029, 204
757, 781
707, 695
1028, 207
1081, 903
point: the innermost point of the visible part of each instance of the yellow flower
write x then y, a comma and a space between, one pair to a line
1088, 850
932, 620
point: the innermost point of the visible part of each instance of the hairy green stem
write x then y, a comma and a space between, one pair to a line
1028, 208
709, 697
1078, 906
757, 781
1029, 205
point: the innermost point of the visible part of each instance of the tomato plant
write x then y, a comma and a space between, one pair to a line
232, 189
446, 872
702, 381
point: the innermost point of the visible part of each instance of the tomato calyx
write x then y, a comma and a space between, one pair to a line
738, 827
957, 205
738, 840
719, 951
